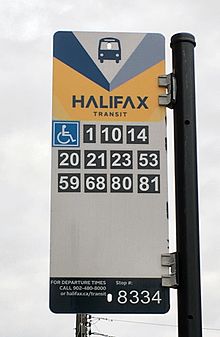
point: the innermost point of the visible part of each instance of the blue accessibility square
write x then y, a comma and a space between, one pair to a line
66, 133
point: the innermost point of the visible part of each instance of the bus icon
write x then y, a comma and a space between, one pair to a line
109, 49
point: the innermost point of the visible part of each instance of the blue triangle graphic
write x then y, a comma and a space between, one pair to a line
69, 50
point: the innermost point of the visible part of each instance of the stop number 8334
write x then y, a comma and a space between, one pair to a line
134, 297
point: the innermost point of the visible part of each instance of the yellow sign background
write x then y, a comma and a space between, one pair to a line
68, 82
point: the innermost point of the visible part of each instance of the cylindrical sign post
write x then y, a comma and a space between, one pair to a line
187, 220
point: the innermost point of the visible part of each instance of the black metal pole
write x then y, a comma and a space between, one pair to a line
187, 220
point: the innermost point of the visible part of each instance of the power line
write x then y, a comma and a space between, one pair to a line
101, 334
147, 323
135, 322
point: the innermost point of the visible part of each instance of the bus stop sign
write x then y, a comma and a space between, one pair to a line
109, 223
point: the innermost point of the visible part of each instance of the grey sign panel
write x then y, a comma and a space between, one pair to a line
109, 222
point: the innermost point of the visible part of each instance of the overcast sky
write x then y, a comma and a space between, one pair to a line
26, 30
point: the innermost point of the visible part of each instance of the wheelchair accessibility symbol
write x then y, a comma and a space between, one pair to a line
66, 134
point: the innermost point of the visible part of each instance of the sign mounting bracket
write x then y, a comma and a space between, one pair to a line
170, 280
168, 82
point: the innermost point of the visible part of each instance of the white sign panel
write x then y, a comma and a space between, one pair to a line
109, 222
